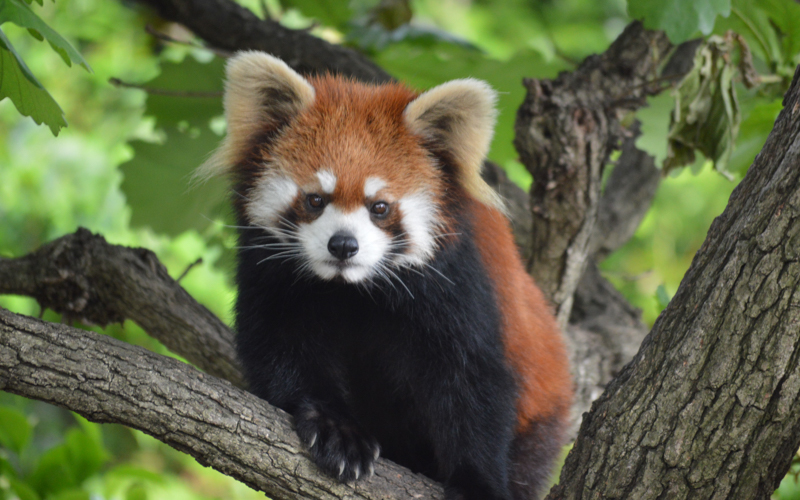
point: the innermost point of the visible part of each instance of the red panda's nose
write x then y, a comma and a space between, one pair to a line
343, 245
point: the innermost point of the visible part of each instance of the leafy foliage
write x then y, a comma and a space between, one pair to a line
750, 49
680, 19
28, 95
16, 80
706, 115
20, 13
157, 178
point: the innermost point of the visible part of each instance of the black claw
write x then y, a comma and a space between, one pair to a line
336, 445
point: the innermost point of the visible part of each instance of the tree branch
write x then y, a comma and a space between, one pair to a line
228, 26
709, 406
628, 195
221, 426
84, 278
565, 131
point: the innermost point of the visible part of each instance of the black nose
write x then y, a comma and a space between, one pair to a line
343, 245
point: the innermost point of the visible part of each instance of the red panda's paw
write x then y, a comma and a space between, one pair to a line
337, 445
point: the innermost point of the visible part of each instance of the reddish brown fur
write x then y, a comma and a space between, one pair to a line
356, 131
531, 337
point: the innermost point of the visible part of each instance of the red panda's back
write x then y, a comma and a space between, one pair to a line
533, 343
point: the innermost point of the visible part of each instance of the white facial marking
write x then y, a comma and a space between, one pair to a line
373, 244
327, 180
419, 221
372, 185
270, 197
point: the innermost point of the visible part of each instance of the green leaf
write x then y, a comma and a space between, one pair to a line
15, 431
157, 179
655, 125
191, 78
335, 14
85, 453
749, 19
74, 494
756, 126
63, 468
28, 95
706, 115
53, 472
786, 16
662, 296
22, 490
19, 13
135, 473
136, 492
157, 182
680, 19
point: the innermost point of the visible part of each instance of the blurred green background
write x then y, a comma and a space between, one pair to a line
121, 169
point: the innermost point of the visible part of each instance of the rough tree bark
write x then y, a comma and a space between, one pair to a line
710, 405
566, 128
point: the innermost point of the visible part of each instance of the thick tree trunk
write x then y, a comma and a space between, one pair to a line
710, 406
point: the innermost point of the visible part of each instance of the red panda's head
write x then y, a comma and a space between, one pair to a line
351, 178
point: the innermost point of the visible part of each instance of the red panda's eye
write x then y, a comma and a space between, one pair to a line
315, 201
380, 208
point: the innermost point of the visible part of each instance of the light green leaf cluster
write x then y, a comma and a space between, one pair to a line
17, 81
706, 116
680, 19
335, 14
28, 95
715, 111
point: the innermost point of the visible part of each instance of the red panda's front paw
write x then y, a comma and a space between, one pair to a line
337, 445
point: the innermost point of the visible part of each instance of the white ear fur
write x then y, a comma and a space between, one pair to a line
459, 117
260, 90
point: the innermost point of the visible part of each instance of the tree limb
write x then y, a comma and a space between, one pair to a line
84, 278
229, 26
566, 128
629, 192
709, 406
221, 426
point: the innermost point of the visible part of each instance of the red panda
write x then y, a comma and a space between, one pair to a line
381, 299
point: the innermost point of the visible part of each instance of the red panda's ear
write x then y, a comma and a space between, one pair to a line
458, 117
261, 92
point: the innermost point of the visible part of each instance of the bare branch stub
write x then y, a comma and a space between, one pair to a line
566, 128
